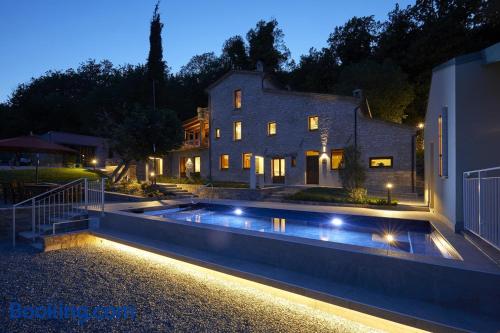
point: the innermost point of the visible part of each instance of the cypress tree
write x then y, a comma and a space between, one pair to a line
155, 64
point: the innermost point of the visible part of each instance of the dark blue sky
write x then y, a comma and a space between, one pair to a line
36, 36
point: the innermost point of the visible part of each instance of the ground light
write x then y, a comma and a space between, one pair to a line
389, 238
238, 211
389, 188
337, 222
292, 302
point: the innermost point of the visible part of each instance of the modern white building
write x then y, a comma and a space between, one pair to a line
462, 130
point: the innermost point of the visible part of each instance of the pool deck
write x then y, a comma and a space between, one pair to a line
408, 311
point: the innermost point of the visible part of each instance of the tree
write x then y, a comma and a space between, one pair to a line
156, 67
134, 135
384, 85
354, 41
266, 44
316, 72
234, 53
353, 174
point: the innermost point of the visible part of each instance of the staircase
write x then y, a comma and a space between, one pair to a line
63, 209
177, 191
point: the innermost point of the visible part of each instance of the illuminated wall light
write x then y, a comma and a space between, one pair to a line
308, 306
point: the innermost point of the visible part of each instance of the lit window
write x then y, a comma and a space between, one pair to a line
336, 160
271, 128
237, 99
217, 133
381, 162
224, 162
246, 160
313, 123
259, 165
197, 164
237, 130
443, 143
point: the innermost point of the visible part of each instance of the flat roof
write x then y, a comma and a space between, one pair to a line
488, 55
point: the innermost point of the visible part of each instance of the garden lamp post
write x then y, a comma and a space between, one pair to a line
94, 163
152, 175
389, 188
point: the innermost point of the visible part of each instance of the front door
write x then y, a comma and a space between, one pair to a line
278, 166
312, 169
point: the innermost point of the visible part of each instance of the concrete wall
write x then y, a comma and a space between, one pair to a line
478, 121
470, 90
441, 191
290, 110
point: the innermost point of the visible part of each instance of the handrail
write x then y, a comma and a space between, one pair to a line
481, 170
48, 192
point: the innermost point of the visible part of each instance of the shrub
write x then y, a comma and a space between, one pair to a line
352, 174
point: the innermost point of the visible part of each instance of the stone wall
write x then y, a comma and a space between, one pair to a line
207, 192
290, 111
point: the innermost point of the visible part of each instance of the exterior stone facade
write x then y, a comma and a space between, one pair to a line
262, 103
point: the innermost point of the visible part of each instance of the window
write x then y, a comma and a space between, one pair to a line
313, 123
271, 128
336, 159
443, 143
237, 99
224, 162
217, 133
293, 161
259, 165
237, 131
246, 160
197, 164
381, 162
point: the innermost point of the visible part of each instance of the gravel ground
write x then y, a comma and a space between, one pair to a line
167, 298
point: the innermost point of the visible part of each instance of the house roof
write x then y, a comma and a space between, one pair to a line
231, 72
488, 55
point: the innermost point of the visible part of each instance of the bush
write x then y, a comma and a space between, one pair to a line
352, 172
358, 195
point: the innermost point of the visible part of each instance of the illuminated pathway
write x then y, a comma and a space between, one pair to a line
168, 294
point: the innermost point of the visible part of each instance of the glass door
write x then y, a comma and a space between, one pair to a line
278, 167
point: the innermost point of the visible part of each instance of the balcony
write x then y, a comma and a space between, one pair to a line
194, 143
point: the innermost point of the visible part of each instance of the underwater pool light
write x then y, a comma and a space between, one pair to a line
337, 222
238, 211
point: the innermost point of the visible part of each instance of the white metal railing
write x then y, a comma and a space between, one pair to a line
68, 203
481, 204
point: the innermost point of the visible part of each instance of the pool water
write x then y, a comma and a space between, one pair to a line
410, 236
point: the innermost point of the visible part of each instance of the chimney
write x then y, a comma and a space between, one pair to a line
259, 66
357, 93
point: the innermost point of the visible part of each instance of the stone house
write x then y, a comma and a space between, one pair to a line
254, 132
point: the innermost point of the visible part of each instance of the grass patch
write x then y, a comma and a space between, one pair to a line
334, 195
49, 175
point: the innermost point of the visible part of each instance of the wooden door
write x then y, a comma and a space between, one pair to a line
312, 169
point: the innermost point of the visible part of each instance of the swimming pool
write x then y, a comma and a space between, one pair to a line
409, 236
